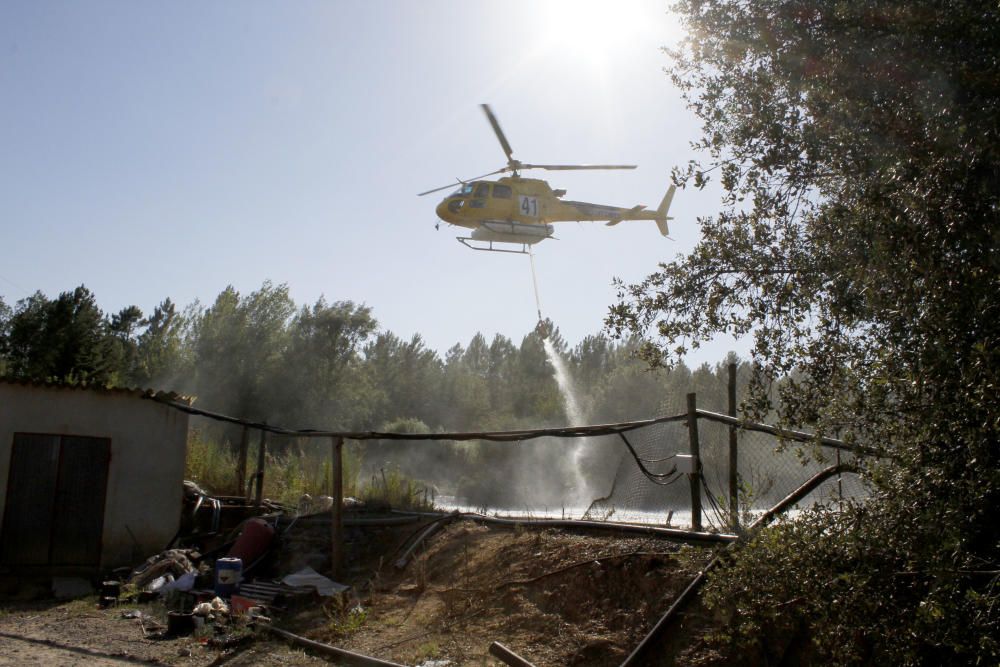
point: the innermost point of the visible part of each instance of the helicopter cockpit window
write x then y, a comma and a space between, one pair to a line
482, 190
501, 191
463, 191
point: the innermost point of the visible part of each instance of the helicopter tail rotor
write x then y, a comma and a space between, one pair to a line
661, 210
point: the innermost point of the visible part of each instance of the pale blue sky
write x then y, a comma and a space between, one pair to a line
170, 149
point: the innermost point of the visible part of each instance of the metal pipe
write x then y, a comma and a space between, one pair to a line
734, 497
526, 434
321, 518
694, 448
380, 521
508, 657
241, 461
345, 656
259, 475
801, 436
494, 436
609, 526
599, 526
337, 511
798, 494
655, 531
692, 588
428, 532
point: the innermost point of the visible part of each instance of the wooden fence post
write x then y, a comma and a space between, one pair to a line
734, 492
259, 475
337, 511
241, 464
695, 450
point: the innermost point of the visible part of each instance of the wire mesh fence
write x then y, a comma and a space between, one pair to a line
768, 468
628, 473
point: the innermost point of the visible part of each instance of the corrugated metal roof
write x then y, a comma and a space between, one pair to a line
118, 391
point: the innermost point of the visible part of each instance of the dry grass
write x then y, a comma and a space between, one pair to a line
294, 467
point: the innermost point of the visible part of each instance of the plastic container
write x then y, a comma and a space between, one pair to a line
179, 623
254, 541
227, 576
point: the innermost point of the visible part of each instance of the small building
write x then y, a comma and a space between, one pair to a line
90, 479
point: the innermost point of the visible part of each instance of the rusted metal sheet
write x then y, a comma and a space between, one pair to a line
31, 497
271, 594
79, 512
55, 500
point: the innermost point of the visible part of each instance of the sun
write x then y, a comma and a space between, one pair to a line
594, 31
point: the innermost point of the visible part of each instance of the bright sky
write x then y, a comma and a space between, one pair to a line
170, 149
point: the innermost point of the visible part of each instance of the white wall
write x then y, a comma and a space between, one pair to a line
146, 474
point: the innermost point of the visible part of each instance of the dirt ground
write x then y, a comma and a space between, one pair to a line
553, 597
77, 633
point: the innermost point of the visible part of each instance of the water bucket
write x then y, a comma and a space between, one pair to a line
227, 576
179, 623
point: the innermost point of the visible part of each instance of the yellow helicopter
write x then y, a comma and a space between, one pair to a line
518, 210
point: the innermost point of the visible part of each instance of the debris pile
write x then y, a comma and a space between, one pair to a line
235, 566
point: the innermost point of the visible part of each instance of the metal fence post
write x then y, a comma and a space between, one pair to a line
695, 450
734, 499
337, 511
241, 463
259, 475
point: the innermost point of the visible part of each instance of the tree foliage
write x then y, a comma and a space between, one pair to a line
64, 340
858, 146
329, 365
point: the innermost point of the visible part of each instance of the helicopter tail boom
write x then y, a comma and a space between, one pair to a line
661, 211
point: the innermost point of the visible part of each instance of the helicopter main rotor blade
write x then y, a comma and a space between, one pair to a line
566, 167
496, 128
466, 180
443, 187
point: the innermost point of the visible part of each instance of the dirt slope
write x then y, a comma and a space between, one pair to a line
554, 597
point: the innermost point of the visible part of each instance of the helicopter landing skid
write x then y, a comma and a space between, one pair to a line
468, 242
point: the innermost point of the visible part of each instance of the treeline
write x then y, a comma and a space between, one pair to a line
261, 356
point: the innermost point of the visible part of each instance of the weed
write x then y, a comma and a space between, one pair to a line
428, 651
210, 463
345, 615
297, 466
80, 605
693, 559
394, 489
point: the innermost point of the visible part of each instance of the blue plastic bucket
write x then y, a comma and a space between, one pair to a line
227, 576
